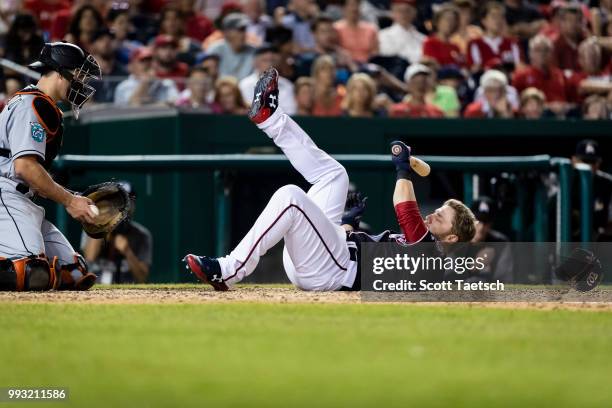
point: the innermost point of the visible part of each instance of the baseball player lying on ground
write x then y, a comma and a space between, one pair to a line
321, 250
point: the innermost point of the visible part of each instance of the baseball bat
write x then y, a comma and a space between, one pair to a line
419, 166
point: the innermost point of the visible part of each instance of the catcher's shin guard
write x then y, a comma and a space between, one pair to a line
31, 273
74, 276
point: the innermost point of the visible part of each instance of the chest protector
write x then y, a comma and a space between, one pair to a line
50, 117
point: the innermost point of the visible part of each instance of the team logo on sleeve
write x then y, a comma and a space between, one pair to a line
38, 132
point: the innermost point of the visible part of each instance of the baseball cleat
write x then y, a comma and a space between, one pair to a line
207, 270
265, 100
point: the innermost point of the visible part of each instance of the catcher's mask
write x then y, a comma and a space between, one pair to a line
79, 91
71, 62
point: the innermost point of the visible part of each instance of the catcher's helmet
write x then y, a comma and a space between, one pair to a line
71, 62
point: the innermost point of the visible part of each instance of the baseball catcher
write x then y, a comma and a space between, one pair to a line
321, 248
34, 254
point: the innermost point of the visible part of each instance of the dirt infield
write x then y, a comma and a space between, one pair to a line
173, 294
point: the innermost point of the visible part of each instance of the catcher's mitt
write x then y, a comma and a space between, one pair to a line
115, 206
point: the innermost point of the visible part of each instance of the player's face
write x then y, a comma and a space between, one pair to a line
62, 86
440, 223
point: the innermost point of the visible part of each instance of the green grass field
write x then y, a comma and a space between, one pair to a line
288, 355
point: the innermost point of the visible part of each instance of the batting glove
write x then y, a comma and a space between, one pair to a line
400, 156
354, 209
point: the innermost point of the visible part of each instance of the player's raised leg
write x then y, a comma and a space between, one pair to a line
328, 177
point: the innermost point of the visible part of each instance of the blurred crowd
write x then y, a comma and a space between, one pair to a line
395, 58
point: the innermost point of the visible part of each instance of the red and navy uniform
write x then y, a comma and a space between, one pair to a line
414, 231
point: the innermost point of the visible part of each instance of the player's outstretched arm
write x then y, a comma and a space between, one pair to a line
404, 199
404, 191
400, 156
35, 175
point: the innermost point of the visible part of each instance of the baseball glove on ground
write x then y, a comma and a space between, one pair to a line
115, 206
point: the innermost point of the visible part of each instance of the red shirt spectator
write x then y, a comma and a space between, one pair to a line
444, 52
482, 110
566, 54
551, 82
591, 79
198, 26
46, 10
482, 51
492, 45
165, 62
570, 36
59, 26
475, 110
438, 46
406, 109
